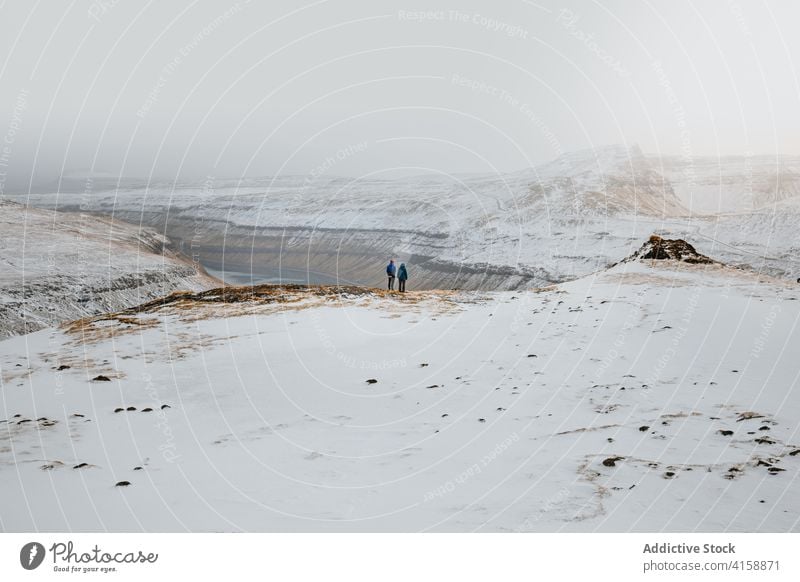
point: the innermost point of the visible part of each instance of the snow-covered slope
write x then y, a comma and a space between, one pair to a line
57, 266
552, 223
654, 395
764, 240
708, 185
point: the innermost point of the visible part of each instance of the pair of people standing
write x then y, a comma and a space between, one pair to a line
402, 275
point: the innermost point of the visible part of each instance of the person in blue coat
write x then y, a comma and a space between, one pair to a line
391, 271
402, 277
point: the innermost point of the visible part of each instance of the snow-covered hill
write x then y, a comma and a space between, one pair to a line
655, 395
58, 266
552, 223
469, 232
708, 185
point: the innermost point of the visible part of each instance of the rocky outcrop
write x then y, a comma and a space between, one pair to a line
663, 249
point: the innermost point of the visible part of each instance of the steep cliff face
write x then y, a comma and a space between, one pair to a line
56, 267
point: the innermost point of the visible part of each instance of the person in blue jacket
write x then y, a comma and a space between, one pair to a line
402, 277
391, 271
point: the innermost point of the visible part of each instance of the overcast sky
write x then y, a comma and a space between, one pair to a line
185, 90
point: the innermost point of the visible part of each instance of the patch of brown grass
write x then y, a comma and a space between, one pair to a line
246, 300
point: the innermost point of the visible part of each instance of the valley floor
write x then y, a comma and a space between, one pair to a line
642, 398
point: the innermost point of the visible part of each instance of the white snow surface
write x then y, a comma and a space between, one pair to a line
491, 411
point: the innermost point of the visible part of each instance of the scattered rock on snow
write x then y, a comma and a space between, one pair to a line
611, 461
748, 416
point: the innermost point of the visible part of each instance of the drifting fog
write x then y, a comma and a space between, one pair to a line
184, 91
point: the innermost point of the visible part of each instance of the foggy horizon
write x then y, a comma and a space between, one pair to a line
242, 91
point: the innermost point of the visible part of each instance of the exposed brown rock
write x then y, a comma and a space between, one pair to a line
663, 249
